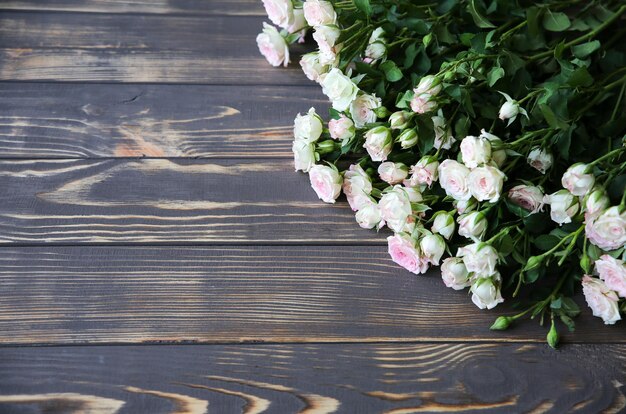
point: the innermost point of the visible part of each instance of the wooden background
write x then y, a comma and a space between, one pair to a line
158, 254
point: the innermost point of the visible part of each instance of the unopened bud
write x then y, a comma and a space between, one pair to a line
502, 323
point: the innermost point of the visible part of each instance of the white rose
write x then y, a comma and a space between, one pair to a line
433, 246
454, 273
608, 230
375, 50
453, 179
339, 88
423, 103
577, 181
425, 172
362, 109
602, 300
303, 155
357, 186
443, 224
485, 183
342, 128
395, 208
541, 160
369, 216
465, 206
613, 272
596, 203
528, 197
326, 181
312, 67
497, 156
308, 127
473, 225
479, 258
326, 38
298, 25
392, 173
563, 206
318, 12
443, 136
408, 138
273, 46
475, 151
510, 109
378, 143
428, 84
486, 292
280, 12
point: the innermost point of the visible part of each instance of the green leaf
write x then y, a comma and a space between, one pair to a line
555, 21
584, 50
479, 19
494, 75
392, 73
364, 6
580, 77
409, 55
545, 242
551, 118
532, 21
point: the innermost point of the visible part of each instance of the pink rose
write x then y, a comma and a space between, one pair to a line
425, 171
273, 46
596, 203
540, 159
577, 181
404, 252
280, 12
613, 272
423, 103
357, 186
528, 197
342, 128
485, 183
601, 300
608, 230
395, 208
326, 182
319, 12
453, 179
392, 173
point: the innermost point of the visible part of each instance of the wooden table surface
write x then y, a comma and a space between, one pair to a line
158, 254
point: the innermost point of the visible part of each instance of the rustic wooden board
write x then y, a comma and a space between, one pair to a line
63, 295
127, 48
192, 7
68, 120
350, 378
168, 201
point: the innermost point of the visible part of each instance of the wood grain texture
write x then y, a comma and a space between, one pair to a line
150, 48
168, 201
76, 295
191, 7
92, 121
315, 379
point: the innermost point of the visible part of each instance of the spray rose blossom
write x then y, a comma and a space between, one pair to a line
479, 258
425, 172
432, 246
312, 67
404, 252
319, 12
357, 186
339, 88
473, 225
308, 127
326, 181
596, 203
342, 128
608, 230
453, 179
326, 39
378, 143
528, 197
563, 206
369, 216
475, 151
486, 292
613, 272
395, 208
392, 173
443, 223
601, 300
577, 181
273, 46
541, 160
362, 109
303, 155
280, 12
485, 183
454, 273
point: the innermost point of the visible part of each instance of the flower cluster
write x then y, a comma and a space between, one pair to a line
488, 141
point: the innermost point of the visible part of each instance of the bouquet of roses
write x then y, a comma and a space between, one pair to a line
491, 132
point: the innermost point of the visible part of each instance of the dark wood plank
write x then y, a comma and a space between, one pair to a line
92, 121
151, 48
350, 378
168, 201
192, 7
74, 295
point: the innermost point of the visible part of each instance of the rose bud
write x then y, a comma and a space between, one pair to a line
613, 272
392, 173
465, 206
407, 139
433, 246
357, 186
443, 223
363, 109
486, 292
376, 47
399, 120
308, 127
602, 300
577, 180
473, 225
563, 206
273, 46
608, 230
342, 128
280, 12
485, 183
528, 197
541, 160
429, 84
369, 216
501, 323
378, 143
479, 258
475, 151
319, 12
596, 202
339, 88
326, 181
425, 172
303, 155
404, 252
454, 273
395, 208
326, 147
312, 67
510, 109
497, 155
423, 103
